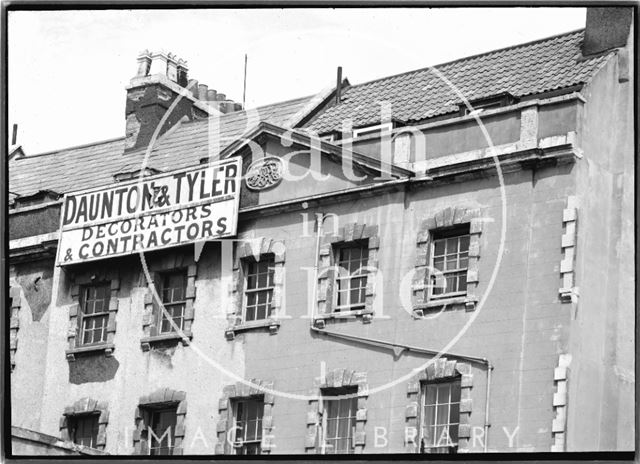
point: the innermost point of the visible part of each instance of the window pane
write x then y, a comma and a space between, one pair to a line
450, 255
84, 430
454, 413
438, 247
248, 423
442, 414
455, 392
443, 393
429, 415
440, 418
462, 282
161, 434
452, 245
353, 279
344, 427
440, 436
464, 243
453, 433
174, 286
260, 279
431, 394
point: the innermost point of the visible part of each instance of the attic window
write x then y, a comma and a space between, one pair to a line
128, 175
489, 103
38, 198
371, 130
332, 136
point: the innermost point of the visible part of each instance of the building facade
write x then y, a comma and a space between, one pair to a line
438, 261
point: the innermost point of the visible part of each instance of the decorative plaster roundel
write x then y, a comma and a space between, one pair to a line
264, 173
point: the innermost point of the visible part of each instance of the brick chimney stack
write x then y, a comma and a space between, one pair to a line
160, 80
606, 28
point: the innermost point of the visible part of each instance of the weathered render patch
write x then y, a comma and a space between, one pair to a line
92, 367
36, 284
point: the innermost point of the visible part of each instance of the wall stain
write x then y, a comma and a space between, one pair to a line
92, 368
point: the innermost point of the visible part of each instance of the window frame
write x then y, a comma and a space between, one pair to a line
152, 412
160, 317
269, 289
352, 392
452, 447
257, 441
374, 129
75, 419
458, 232
83, 317
336, 250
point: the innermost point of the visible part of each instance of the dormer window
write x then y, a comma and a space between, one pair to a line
332, 136
135, 174
378, 129
487, 103
39, 198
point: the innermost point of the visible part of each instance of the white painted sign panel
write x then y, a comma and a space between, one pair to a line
157, 212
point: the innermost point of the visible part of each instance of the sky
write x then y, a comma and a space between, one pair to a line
68, 69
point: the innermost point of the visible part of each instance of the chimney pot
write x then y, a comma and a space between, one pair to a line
182, 77
221, 97
144, 63
202, 91
172, 71
158, 64
211, 95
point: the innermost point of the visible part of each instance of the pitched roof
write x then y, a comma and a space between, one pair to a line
94, 165
531, 68
535, 67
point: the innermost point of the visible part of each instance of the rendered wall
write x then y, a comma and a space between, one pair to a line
602, 382
522, 327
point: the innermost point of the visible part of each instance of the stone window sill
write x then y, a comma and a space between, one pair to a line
106, 347
146, 342
463, 300
272, 324
367, 316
